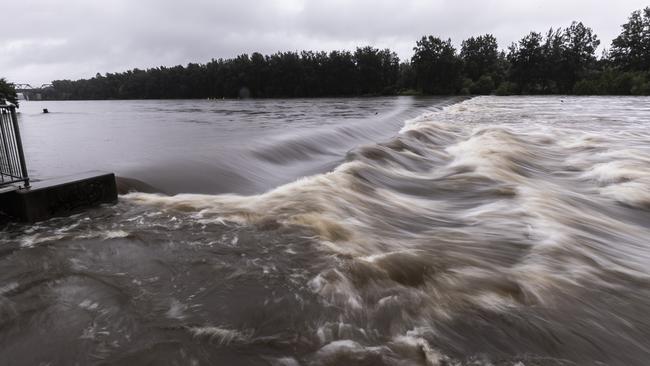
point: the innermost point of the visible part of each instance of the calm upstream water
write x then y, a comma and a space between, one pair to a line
391, 231
225, 146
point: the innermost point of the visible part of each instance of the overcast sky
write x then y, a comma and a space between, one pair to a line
44, 40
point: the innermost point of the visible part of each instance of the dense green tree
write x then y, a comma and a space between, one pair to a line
614, 82
631, 49
578, 55
340, 74
8, 92
483, 65
554, 63
527, 63
406, 79
438, 70
390, 69
283, 74
312, 67
480, 56
368, 62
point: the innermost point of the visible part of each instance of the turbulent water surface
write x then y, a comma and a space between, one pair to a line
489, 231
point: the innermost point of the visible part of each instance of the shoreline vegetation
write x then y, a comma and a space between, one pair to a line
561, 61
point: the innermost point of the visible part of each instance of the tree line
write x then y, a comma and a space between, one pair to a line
560, 61
366, 71
7, 92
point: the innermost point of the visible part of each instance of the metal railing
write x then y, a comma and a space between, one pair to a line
12, 158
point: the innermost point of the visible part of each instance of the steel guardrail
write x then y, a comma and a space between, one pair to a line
12, 158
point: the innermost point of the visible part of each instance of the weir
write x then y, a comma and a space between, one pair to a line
21, 200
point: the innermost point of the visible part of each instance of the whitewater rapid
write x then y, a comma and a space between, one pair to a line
494, 226
497, 231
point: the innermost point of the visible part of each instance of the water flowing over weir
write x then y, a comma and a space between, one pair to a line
498, 231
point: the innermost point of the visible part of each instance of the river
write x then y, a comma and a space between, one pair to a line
378, 231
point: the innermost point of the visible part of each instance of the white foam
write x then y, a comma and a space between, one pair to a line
33, 240
176, 310
636, 193
114, 234
284, 361
222, 336
432, 356
617, 171
337, 289
8, 288
349, 348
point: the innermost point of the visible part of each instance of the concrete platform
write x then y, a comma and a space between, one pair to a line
59, 197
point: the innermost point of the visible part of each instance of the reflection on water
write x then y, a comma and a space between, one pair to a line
498, 231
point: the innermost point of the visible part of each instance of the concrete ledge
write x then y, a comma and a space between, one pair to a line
59, 197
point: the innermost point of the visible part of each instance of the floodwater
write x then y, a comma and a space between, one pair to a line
198, 146
389, 231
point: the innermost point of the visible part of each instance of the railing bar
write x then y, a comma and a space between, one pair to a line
12, 150
15, 154
10, 140
2, 156
12, 157
20, 151
5, 143
3, 162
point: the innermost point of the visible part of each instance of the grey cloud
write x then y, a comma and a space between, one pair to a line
45, 40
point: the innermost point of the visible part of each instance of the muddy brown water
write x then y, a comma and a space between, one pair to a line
387, 231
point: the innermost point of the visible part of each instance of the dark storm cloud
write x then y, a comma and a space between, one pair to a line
44, 40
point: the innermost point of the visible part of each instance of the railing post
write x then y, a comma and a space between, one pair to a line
19, 143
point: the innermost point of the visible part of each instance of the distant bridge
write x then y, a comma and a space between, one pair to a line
28, 92
21, 87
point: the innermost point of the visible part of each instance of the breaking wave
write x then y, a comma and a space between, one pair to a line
497, 229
